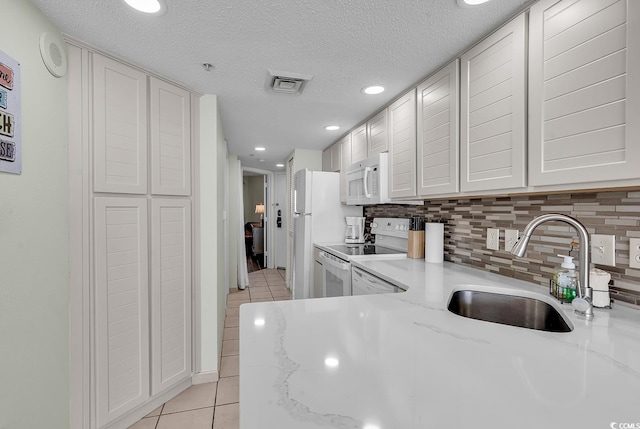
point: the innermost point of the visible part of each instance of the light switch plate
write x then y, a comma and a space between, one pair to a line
603, 249
510, 238
634, 253
493, 238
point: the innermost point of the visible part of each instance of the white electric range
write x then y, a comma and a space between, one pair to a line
333, 274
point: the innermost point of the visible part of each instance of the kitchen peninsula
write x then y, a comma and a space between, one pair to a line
404, 361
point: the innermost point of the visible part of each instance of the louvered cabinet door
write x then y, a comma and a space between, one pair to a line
121, 306
119, 127
378, 133
170, 125
438, 138
170, 292
345, 162
336, 157
359, 144
584, 91
326, 159
402, 146
492, 114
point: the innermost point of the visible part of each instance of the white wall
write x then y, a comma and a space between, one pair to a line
213, 286
34, 240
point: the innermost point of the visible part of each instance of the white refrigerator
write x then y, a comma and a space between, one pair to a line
318, 217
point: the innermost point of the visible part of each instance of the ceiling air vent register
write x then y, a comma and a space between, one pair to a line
287, 82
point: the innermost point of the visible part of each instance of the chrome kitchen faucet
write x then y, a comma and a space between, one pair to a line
583, 304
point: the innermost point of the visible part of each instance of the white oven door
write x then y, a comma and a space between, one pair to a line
336, 276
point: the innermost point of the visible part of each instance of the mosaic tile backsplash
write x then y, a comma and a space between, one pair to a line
467, 219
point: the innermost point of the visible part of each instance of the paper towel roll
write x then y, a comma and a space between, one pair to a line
599, 282
434, 242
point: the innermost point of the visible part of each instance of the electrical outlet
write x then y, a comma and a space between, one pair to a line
603, 249
510, 238
493, 238
634, 253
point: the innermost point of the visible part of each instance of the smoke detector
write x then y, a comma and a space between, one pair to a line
286, 82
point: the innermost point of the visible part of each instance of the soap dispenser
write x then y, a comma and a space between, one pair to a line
567, 278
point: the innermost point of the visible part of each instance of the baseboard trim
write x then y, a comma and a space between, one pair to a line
205, 377
138, 413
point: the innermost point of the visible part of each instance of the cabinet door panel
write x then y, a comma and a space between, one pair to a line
119, 127
359, 144
121, 312
345, 162
170, 292
378, 133
326, 159
584, 94
437, 139
402, 146
170, 124
492, 114
336, 156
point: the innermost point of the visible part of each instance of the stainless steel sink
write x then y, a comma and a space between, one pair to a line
514, 310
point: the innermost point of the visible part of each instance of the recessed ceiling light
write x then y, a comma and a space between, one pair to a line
260, 149
279, 165
156, 7
331, 127
373, 90
467, 3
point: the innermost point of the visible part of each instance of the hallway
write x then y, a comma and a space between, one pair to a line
216, 405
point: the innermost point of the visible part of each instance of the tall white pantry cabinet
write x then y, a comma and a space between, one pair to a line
139, 201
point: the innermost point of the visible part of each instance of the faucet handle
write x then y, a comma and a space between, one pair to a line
583, 306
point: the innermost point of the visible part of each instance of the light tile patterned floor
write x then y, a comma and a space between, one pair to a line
216, 405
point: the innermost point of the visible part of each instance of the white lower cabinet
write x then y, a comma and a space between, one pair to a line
121, 306
135, 359
584, 91
170, 292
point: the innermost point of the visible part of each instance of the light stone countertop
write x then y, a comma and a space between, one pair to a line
405, 362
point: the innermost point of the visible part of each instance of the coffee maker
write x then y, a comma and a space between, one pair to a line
354, 233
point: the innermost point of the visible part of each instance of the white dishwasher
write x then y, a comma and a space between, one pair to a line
363, 283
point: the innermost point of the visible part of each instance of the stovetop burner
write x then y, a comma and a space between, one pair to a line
364, 249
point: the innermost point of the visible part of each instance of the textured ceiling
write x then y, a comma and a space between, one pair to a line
344, 44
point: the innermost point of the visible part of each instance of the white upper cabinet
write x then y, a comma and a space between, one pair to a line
492, 130
359, 144
378, 133
331, 157
326, 159
119, 127
170, 125
402, 146
345, 161
438, 138
584, 91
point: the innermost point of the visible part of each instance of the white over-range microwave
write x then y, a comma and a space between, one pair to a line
368, 181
